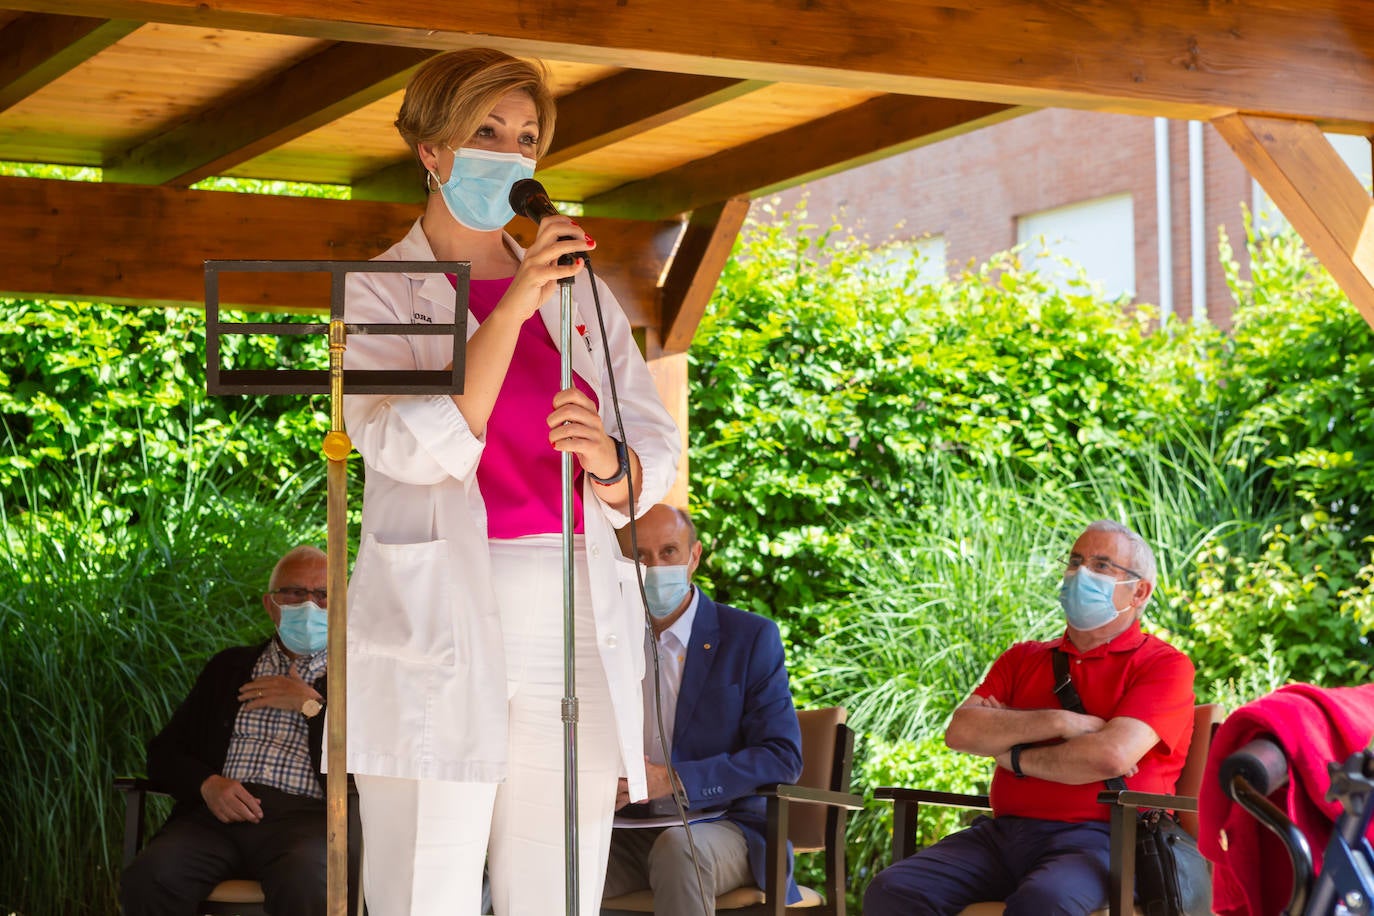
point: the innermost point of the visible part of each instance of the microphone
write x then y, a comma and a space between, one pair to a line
529, 199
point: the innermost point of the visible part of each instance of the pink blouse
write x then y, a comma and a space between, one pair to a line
519, 473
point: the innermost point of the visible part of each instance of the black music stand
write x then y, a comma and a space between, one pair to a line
336, 447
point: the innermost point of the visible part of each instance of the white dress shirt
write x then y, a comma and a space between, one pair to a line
672, 655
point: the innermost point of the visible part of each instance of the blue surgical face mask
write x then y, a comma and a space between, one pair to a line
477, 192
304, 628
666, 587
1086, 597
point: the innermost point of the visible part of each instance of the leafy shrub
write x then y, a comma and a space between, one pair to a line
1310, 591
104, 622
821, 389
1300, 378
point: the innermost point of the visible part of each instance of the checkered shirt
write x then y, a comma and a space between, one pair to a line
272, 746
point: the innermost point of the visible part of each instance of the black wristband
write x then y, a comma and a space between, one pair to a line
1016, 750
622, 454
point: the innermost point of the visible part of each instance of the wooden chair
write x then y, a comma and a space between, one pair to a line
234, 897
1206, 718
811, 814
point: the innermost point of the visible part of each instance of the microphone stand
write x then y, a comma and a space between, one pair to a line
529, 199
570, 715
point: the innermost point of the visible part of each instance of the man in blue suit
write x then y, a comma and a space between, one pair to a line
726, 713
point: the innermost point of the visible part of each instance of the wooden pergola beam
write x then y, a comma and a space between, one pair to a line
871, 130
701, 255
1317, 192
340, 79
1173, 58
147, 245
37, 48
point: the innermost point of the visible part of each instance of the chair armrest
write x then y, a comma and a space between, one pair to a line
906, 806
135, 784
136, 790
1128, 799
1125, 805
903, 795
780, 798
807, 795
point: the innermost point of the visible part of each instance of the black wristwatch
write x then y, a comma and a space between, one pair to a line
1016, 750
622, 455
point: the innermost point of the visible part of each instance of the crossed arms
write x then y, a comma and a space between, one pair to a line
1089, 749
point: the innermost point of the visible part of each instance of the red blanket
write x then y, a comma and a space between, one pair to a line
1315, 726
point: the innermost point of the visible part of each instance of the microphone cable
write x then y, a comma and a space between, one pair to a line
674, 784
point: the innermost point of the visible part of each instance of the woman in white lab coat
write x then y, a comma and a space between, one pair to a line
455, 637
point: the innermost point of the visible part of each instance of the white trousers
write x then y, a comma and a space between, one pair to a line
424, 841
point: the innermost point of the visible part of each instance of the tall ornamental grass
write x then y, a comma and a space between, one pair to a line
947, 586
139, 521
105, 618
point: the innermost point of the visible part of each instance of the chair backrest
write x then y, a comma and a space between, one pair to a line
827, 758
1206, 719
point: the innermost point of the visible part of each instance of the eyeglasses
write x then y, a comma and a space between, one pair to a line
1100, 565
296, 595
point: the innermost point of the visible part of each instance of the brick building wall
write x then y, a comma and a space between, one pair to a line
971, 189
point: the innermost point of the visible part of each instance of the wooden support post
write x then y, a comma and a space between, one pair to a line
1319, 195
670, 378
695, 270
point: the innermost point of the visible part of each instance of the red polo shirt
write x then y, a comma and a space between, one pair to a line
1134, 675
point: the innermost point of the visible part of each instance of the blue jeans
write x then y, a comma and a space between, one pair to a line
1037, 867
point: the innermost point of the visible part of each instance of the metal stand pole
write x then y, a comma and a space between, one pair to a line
569, 626
336, 449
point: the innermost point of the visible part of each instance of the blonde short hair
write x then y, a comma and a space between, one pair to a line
450, 96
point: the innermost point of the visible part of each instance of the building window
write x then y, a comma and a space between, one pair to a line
922, 260
1096, 235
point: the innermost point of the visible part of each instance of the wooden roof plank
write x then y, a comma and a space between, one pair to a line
629, 103
695, 269
868, 131
320, 89
37, 48
1314, 188
608, 111
1175, 58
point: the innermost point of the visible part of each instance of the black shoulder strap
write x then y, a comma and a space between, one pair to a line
1070, 700
1063, 684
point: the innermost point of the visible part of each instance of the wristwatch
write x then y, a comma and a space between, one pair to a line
311, 708
622, 455
1016, 750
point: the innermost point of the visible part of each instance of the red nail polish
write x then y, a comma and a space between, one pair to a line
590, 240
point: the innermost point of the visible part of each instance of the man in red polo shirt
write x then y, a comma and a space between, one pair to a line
1045, 850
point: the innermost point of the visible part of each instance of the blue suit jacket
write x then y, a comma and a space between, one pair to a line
736, 726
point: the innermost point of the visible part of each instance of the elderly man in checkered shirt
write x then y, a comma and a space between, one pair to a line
241, 756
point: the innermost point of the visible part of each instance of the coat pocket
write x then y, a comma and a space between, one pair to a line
400, 602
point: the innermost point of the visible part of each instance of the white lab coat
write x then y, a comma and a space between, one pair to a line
426, 672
